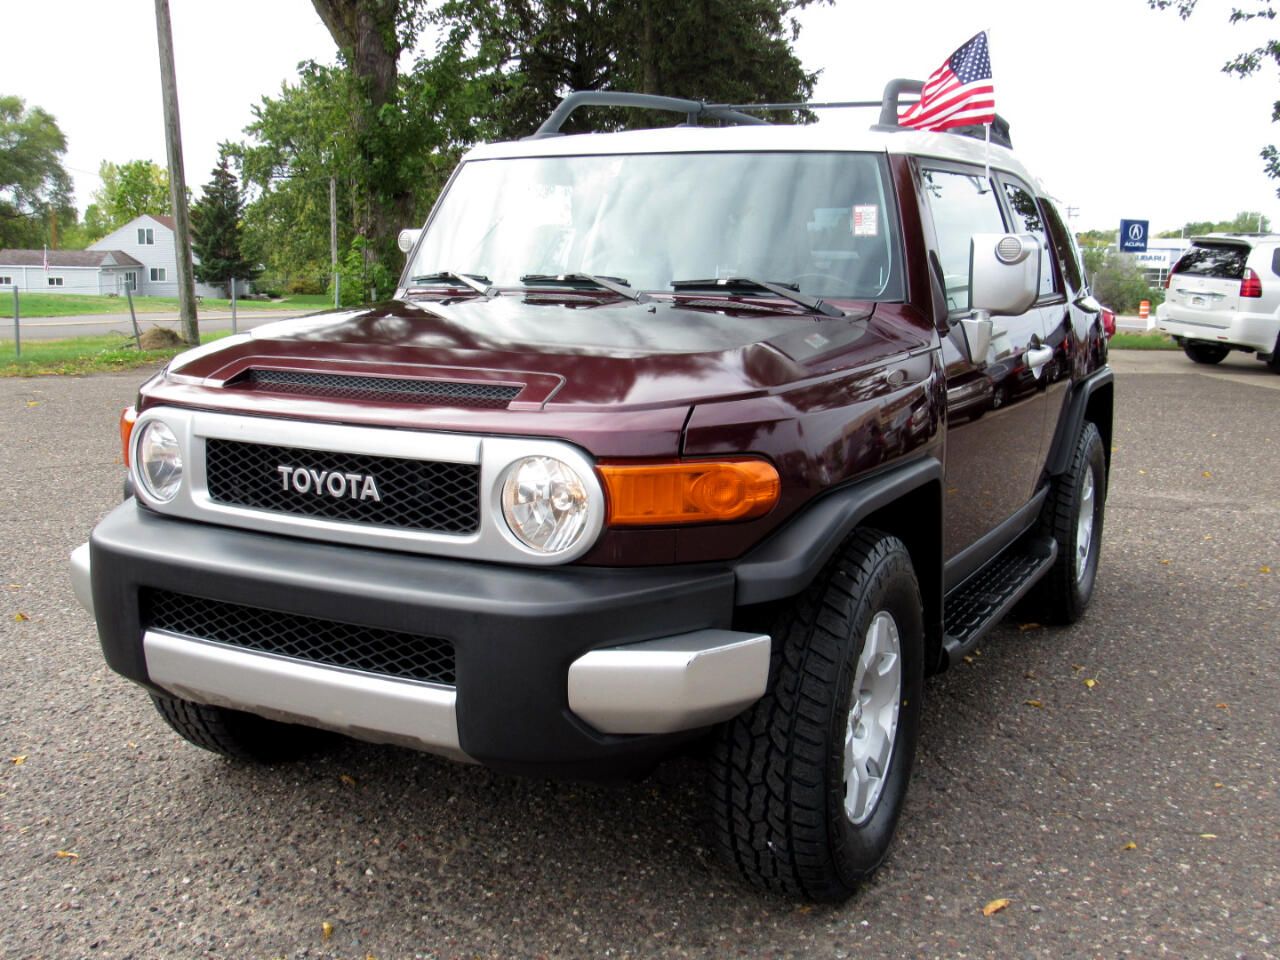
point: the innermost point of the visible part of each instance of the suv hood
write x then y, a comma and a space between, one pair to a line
566, 350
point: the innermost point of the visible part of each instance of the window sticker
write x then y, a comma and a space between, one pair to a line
865, 220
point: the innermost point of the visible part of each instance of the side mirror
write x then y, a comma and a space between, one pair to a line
1004, 273
407, 239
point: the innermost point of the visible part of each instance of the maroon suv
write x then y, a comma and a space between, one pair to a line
723, 434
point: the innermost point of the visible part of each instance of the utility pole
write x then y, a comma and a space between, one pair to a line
177, 179
333, 237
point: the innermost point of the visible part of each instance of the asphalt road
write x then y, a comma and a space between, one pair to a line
119, 840
57, 328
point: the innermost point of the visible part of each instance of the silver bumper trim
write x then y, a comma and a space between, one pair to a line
380, 709
676, 683
81, 584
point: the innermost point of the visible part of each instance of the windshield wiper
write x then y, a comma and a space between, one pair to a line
786, 291
477, 282
614, 284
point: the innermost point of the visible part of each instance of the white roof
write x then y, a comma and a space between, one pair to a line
778, 137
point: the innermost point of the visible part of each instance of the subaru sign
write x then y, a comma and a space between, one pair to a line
1133, 236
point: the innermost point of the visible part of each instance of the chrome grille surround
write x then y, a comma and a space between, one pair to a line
491, 541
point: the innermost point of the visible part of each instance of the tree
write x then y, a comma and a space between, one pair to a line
1247, 221
216, 229
1244, 64
129, 190
34, 187
1121, 284
716, 50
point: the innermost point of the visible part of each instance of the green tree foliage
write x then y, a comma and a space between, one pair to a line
1121, 284
129, 190
390, 137
216, 228
1247, 221
34, 187
535, 51
1247, 63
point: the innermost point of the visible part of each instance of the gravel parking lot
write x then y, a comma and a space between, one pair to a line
1116, 781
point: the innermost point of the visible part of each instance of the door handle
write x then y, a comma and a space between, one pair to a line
1037, 357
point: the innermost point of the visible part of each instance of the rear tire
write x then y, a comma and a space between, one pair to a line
238, 735
807, 785
1073, 517
1208, 353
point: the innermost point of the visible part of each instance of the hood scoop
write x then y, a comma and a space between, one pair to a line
343, 386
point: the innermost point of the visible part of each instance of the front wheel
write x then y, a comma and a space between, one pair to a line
236, 734
807, 785
1205, 352
1073, 517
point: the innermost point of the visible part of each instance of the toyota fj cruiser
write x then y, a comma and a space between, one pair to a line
721, 434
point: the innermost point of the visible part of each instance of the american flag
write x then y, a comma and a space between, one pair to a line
958, 94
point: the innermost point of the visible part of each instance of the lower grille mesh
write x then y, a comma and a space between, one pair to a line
388, 653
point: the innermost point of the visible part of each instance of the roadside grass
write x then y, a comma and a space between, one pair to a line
1142, 341
80, 355
75, 305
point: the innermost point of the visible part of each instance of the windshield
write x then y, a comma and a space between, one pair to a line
820, 221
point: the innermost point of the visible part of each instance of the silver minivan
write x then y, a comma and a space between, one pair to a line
1224, 295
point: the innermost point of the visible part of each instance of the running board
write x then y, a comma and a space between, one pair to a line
986, 598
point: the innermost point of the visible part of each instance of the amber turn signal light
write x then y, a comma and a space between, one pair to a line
652, 494
128, 417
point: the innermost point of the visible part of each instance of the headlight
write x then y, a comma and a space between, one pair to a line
159, 461
545, 504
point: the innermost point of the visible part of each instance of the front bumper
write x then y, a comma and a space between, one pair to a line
565, 671
1253, 331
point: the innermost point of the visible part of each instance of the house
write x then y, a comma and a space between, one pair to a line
141, 256
150, 241
69, 271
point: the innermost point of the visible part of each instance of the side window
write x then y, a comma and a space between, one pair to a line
1064, 246
962, 204
1275, 261
1027, 219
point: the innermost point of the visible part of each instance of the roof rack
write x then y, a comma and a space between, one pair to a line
736, 113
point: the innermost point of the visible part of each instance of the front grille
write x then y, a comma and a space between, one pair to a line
381, 389
388, 653
410, 494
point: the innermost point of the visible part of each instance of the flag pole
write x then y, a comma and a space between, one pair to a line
987, 129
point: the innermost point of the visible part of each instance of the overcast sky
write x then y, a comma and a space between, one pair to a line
1121, 111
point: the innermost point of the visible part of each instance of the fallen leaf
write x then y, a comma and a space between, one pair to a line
18, 760
67, 855
1222, 706
326, 930
1077, 667
1208, 836
968, 659
806, 908
1130, 846
995, 906
1217, 786
1090, 683
33, 403
1208, 536
1142, 473
1264, 569
348, 780
1164, 563
1207, 473
21, 617
1034, 703
1028, 626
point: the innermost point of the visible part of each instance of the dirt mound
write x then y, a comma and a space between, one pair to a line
160, 338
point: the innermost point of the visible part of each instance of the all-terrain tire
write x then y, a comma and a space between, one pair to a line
1205, 352
238, 735
778, 771
1065, 591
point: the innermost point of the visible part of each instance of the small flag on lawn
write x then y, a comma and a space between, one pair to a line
959, 93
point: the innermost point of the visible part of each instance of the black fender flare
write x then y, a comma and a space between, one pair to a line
1072, 420
787, 562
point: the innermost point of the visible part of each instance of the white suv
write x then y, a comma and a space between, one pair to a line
1224, 295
